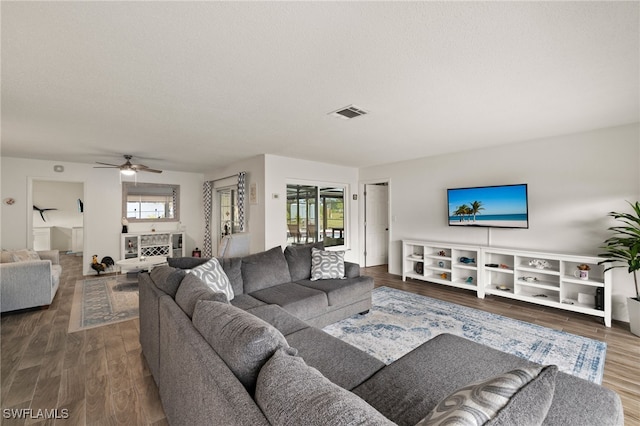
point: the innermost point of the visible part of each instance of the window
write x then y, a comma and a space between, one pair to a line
315, 213
229, 220
150, 202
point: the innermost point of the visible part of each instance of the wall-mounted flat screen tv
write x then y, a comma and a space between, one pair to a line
503, 206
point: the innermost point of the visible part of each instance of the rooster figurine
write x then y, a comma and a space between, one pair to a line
102, 266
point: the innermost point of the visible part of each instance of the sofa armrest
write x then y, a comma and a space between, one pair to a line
351, 270
52, 255
26, 284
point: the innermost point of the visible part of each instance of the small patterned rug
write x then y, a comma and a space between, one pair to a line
400, 321
102, 301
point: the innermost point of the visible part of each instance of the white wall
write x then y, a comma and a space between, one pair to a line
63, 196
102, 204
573, 181
282, 170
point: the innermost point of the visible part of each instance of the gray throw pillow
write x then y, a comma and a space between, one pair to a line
289, 392
299, 260
212, 274
519, 397
326, 265
193, 289
266, 269
243, 341
167, 279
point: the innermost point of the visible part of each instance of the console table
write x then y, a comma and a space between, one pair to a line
513, 273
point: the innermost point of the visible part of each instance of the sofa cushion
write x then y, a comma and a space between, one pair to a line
301, 301
167, 279
342, 292
232, 266
279, 318
24, 255
193, 289
518, 397
299, 260
326, 264
186, 262
212, 274
245, 302
266, 269
342, 363
243, 341
289, 392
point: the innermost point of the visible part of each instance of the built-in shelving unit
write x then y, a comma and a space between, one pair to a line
450, 264
147, 244
548, 279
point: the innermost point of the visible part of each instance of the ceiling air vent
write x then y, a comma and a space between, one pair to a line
348, 112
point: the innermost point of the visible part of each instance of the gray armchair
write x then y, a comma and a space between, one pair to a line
31, 283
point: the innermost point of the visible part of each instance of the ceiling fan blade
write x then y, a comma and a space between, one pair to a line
106, 164
146, 169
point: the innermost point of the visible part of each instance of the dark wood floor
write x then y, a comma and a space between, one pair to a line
101, 378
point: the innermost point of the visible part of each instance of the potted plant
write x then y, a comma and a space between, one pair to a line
623, 250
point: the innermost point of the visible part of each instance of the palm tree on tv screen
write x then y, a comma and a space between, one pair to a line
476, 206
462, 211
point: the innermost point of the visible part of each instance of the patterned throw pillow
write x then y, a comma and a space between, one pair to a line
212, 274
522, 396
25, 255
326, 264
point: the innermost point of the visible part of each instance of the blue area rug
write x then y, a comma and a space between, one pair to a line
400, 321
101, 301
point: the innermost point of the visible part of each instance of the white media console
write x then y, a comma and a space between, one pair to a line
511, 273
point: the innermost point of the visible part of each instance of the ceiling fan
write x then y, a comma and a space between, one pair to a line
127, 168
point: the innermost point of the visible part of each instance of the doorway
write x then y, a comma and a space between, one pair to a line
57, 218
376, 224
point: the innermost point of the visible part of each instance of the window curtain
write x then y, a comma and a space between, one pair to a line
207, 196
241, 192
208, 211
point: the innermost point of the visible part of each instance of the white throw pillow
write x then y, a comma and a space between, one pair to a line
212, 274
326, 264
25, 255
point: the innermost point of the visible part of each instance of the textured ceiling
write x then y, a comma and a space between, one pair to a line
191, 86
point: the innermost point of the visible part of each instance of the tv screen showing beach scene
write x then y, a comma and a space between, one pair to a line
502, 206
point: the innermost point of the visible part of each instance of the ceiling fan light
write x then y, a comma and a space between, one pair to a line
128, 172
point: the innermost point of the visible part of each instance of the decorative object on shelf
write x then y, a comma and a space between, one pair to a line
442, 253
587, 299
582, 272
125, 226
417, 256
503, 266
9, 201
106, 262
441, 264
469, 280
539, 263
623, 250
467, 260
540, 295
443, 275
503, 287
196, 253
419, 268
491, 265
529, 279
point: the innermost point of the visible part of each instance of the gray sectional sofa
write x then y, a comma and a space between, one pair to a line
261, 359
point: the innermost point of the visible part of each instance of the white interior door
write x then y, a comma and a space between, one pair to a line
376, 224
